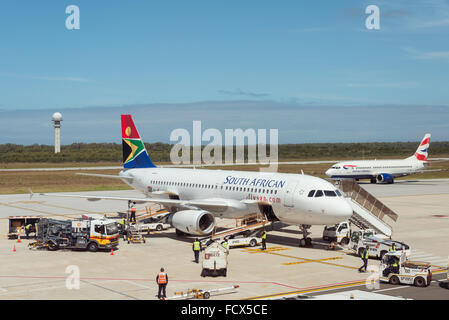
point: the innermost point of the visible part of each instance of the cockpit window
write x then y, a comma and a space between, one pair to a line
319, 193
329, 193
311, 193
338, 193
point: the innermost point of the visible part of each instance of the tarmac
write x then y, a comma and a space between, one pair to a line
284, 270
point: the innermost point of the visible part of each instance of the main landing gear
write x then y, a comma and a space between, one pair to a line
305, 241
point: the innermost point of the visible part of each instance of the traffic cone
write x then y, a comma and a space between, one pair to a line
14, 248
112, 252
18, 238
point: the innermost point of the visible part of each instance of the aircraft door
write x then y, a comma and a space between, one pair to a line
289, 194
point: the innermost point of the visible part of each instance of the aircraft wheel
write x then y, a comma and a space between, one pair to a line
308, 242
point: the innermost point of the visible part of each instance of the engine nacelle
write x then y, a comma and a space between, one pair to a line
195, 222
385, 178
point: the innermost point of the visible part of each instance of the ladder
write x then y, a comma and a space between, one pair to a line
368, 211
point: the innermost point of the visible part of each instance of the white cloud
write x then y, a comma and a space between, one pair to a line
46, 78
398, 85
429, 55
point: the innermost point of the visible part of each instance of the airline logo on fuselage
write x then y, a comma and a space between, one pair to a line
349, 166
271, 183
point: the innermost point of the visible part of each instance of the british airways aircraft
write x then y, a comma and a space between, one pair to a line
383, 171
196, 196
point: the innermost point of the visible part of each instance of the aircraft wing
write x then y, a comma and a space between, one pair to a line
213, 204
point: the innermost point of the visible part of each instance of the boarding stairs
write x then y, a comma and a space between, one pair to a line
368, 211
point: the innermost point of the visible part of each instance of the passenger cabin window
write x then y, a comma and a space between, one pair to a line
319, 193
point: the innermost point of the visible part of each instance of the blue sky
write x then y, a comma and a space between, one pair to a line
283, 55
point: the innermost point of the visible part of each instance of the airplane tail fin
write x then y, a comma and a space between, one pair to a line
423, 149
134, 153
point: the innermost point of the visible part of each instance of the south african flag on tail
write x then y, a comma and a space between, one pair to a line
134, 153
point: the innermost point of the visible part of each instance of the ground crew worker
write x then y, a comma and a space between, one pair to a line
27, 230
365, 256
133, 213
264, 240
395, 265
225, 243
392, 248
162, 280
122, 225
196, 249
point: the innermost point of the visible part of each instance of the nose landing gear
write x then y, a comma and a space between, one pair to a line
305, 241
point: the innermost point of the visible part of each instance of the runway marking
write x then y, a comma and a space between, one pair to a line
272, 249
111, 290
388, 289
308, 261
151, 280
331, 287
267, 250
34, 210
313, 289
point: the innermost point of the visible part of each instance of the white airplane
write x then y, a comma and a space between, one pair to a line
382, 171
196, 196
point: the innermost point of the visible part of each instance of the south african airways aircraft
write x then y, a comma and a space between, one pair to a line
383, 171
196, 196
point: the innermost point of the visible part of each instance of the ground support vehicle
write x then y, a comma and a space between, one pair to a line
17, 224
134, 234
339, 233
90, 234
199, 293
407, 272
215, 261
377, 247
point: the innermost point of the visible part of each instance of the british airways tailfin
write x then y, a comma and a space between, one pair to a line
134, 153
423, 149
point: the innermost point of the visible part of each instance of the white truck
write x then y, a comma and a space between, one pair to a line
155, 226
215, 261
244, 239
378, 246
339, 233
407, 272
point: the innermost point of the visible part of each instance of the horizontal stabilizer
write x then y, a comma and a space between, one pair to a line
104, 176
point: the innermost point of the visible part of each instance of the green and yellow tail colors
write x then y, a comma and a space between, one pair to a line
134, 153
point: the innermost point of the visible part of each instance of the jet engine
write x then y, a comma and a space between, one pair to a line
195, 222
385, 178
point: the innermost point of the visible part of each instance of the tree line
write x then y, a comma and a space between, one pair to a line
160, 152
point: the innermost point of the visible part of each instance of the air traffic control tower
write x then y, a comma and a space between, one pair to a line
57, 118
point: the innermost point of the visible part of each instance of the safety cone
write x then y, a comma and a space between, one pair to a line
112, 252
14, 248
18, 238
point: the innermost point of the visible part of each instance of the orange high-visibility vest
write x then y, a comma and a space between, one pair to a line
162, 278
133, 209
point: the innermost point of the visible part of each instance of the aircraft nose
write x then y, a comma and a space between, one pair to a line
344, 209
328, 172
